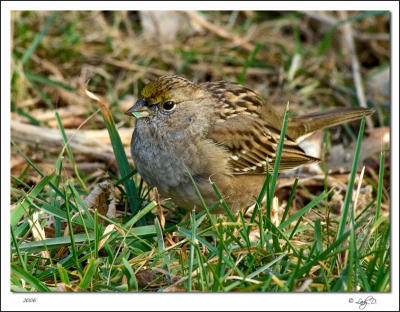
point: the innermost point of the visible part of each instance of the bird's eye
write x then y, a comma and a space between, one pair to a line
169, 105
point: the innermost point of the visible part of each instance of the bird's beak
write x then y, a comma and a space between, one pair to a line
139, 110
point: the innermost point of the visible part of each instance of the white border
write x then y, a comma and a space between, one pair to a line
178, 302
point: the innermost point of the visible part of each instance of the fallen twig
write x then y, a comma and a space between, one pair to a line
219, 31
348, 33
93, 143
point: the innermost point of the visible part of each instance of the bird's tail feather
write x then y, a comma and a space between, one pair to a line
300, 126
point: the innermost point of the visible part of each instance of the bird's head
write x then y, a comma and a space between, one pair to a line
171, 103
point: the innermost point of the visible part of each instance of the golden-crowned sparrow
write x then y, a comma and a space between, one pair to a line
218, 131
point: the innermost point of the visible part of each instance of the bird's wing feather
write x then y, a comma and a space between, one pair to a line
241, 130
252, 144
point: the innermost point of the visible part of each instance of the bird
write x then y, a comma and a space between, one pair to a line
221, 132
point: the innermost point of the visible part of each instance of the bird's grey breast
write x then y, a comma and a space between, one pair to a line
156, 160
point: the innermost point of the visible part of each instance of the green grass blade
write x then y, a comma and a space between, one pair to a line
122, 160
161, 247
363, 277
261, 227
47, 81
132, 281
223, 203
42, 94
203, 203
277, 161
318, 235
383, 254
36, 168
96, 235
140, 214
28, 160
295, 228
188, 234
228, 259
82, 204
290, 282
264, 190
160, 240
248, 63
54, 202
19, 210
281, 234
191, 251
56, 212
69, 152
58, 242
352, 255
29, 278
204, 284
126, 178
71, 234
379, 191
335, 246
38, 38
258, 271
32, 119
63, 274
302, 211
385, 282
14, 240
244, 232
292, 192
89, 274
350, 187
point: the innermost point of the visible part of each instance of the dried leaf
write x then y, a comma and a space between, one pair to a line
109, 228
38, 232
145, 277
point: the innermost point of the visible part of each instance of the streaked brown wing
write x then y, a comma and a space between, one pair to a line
250, 140
251, 143
233, 98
